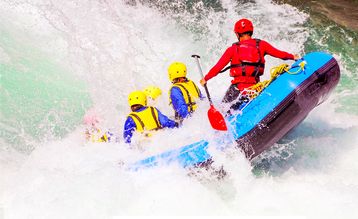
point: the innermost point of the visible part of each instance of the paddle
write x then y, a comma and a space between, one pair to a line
216, 119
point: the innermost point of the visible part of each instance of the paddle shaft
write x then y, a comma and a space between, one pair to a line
202, 75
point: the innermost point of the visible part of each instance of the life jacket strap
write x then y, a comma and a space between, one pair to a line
133, 115
104, 138
257, 68
243, 64
138, 118
155, 118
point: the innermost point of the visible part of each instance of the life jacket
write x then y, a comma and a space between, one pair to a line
190, 93
95, 135
246, 64
146, 120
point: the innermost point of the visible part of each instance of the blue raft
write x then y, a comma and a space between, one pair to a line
267, 118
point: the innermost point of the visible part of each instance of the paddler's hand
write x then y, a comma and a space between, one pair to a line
203, 82
296, 57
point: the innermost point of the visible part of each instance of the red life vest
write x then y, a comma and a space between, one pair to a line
246, 65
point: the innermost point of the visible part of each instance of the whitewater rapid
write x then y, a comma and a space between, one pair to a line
93, 53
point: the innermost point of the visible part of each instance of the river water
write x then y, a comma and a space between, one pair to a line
59, 59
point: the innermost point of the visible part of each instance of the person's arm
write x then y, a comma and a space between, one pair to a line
223, 61
129, 129
272, 51
178, 102
165, 121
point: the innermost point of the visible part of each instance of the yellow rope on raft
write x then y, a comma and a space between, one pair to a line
256, 89
302, 66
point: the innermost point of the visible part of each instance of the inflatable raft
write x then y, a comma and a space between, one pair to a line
281, 106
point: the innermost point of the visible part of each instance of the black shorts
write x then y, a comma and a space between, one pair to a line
233, 97
231, 94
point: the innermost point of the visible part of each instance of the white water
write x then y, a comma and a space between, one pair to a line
116, 48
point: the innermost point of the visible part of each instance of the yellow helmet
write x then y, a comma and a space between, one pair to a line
137, 97
152, 92
176, 70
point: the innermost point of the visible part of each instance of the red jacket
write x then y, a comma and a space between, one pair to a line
231, 55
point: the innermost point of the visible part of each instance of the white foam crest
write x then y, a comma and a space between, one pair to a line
74, 180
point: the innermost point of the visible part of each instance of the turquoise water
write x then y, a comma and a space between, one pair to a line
40, 100
327, 36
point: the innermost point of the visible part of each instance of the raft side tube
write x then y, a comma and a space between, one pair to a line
290, 112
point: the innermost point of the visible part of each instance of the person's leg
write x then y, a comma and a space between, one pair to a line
239, 102
231, 94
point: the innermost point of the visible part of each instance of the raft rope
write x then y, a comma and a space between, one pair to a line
256, 89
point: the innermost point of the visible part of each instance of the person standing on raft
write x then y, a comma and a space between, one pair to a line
247, 60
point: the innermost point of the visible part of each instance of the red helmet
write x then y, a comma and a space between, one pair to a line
243, 25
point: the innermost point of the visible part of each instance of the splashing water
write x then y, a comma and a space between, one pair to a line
59, 59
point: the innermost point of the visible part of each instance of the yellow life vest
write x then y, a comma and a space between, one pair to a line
146, 120
190, 93
95, 135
